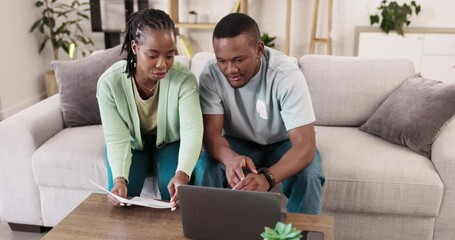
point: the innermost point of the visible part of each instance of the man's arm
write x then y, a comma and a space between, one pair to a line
294, 160
299, 155
218, 147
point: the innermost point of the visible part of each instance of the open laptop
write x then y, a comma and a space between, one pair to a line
217, 213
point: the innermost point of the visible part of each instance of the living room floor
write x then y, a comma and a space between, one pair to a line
7, 234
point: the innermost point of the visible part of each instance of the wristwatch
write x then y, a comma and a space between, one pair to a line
268, 175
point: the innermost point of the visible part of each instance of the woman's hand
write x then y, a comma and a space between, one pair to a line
180, 178
120, 189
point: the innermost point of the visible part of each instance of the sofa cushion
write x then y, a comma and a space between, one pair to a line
77, 81
414, 113
198, 62
346, 90
75, 155
366, 174
71, 158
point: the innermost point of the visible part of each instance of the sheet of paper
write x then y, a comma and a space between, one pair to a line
145, 202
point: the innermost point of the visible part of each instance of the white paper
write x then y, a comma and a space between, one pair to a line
145, 202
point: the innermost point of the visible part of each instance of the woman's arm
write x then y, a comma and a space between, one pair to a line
191, 126
116, 132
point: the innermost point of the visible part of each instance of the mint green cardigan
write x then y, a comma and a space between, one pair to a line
179, 116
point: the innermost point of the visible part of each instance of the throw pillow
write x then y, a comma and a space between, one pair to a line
414, 113
77, 82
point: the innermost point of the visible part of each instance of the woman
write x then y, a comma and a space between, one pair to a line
150, 111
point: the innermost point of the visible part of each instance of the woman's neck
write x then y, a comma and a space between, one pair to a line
144, 91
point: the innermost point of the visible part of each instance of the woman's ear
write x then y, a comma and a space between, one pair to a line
134, 47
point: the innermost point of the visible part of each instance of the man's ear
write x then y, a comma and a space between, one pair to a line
260, 49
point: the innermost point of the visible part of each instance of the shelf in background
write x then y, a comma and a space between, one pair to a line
195, 25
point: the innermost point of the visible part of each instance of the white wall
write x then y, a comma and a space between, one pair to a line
22, 67
352, 13
347, 14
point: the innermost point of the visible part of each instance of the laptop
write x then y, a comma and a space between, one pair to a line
218, 213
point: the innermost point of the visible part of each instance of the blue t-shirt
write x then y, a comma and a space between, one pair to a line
274, 101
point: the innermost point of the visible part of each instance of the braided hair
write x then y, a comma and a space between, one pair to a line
138, 22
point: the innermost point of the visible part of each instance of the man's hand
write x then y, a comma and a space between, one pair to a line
234, 169
253, 182
180, 178
120, 189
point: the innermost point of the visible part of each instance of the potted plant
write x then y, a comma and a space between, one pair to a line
192, 16
394, 16
268, 40
282, 231
60, 24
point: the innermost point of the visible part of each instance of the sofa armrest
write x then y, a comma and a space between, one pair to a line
20, 136
443, 158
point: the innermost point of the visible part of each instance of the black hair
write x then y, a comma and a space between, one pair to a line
235, 24
137, 23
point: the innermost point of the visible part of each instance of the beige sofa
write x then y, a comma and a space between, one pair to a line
375, 189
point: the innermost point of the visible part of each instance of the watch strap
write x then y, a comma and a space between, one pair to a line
269, 176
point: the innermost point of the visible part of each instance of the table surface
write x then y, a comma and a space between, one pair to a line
95, 218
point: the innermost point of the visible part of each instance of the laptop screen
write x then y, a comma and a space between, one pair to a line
217, 213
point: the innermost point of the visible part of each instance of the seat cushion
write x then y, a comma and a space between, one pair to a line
366, 174
71, 158
346, 91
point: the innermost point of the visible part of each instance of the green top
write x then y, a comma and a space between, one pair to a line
179, 116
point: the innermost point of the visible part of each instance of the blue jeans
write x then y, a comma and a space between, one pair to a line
151, 161
303, 190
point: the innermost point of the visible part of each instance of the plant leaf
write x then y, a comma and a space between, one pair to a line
35, 25
38, 4
287, 228
294, 234
269, 231
374, 19
83, 15
43, 44
280, 227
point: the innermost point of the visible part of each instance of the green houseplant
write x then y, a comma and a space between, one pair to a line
394, 16
282, 231
268, 40
60, 24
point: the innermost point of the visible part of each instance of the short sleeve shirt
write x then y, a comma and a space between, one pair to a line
274, 101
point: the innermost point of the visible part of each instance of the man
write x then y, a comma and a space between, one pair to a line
260, 99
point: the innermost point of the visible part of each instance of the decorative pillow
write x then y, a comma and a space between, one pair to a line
77, 80
413, 114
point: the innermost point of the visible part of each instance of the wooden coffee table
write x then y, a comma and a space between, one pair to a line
95, 218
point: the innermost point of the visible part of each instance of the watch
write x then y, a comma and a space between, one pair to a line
268, 175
